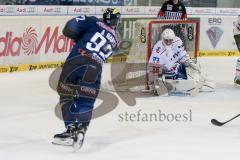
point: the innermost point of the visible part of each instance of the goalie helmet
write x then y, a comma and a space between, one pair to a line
167, 36
111, 17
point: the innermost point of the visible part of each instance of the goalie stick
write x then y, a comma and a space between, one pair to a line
217, 123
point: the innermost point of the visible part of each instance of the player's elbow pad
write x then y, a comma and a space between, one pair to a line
69, 32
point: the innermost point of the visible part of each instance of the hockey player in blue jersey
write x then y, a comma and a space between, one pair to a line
79, 82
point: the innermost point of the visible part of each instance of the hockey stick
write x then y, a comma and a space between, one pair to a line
217, 123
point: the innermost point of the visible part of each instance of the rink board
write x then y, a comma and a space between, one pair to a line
27, 41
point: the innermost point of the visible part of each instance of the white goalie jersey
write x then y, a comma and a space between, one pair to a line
168, 57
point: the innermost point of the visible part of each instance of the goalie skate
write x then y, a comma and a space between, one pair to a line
162, 88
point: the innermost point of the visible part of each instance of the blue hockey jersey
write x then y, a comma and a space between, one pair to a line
92, 36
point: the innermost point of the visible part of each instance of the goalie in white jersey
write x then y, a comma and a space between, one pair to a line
170, 68
170, 54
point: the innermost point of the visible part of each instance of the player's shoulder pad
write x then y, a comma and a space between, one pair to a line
92, 19
87, 19
158, 44
76, 26
178, 42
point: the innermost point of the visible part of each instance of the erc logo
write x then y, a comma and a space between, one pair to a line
214, 35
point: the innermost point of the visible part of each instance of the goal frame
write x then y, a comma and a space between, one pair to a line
151, 23
141, 50
149, 45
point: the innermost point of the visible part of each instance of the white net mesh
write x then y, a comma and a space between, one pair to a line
139, 49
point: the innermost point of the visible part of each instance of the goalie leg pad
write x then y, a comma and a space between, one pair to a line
194, 72
208, 86
182, 85
195, 82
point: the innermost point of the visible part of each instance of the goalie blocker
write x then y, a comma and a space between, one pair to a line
172, 72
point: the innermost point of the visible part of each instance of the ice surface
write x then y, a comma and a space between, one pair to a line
28, 122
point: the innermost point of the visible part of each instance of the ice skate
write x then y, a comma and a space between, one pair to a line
73, 136
163, 88
65, 138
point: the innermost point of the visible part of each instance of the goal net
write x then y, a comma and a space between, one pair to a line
132, 75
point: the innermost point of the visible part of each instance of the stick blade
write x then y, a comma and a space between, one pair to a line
216, 122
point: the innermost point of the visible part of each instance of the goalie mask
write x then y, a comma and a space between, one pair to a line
111, 17
167, 37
